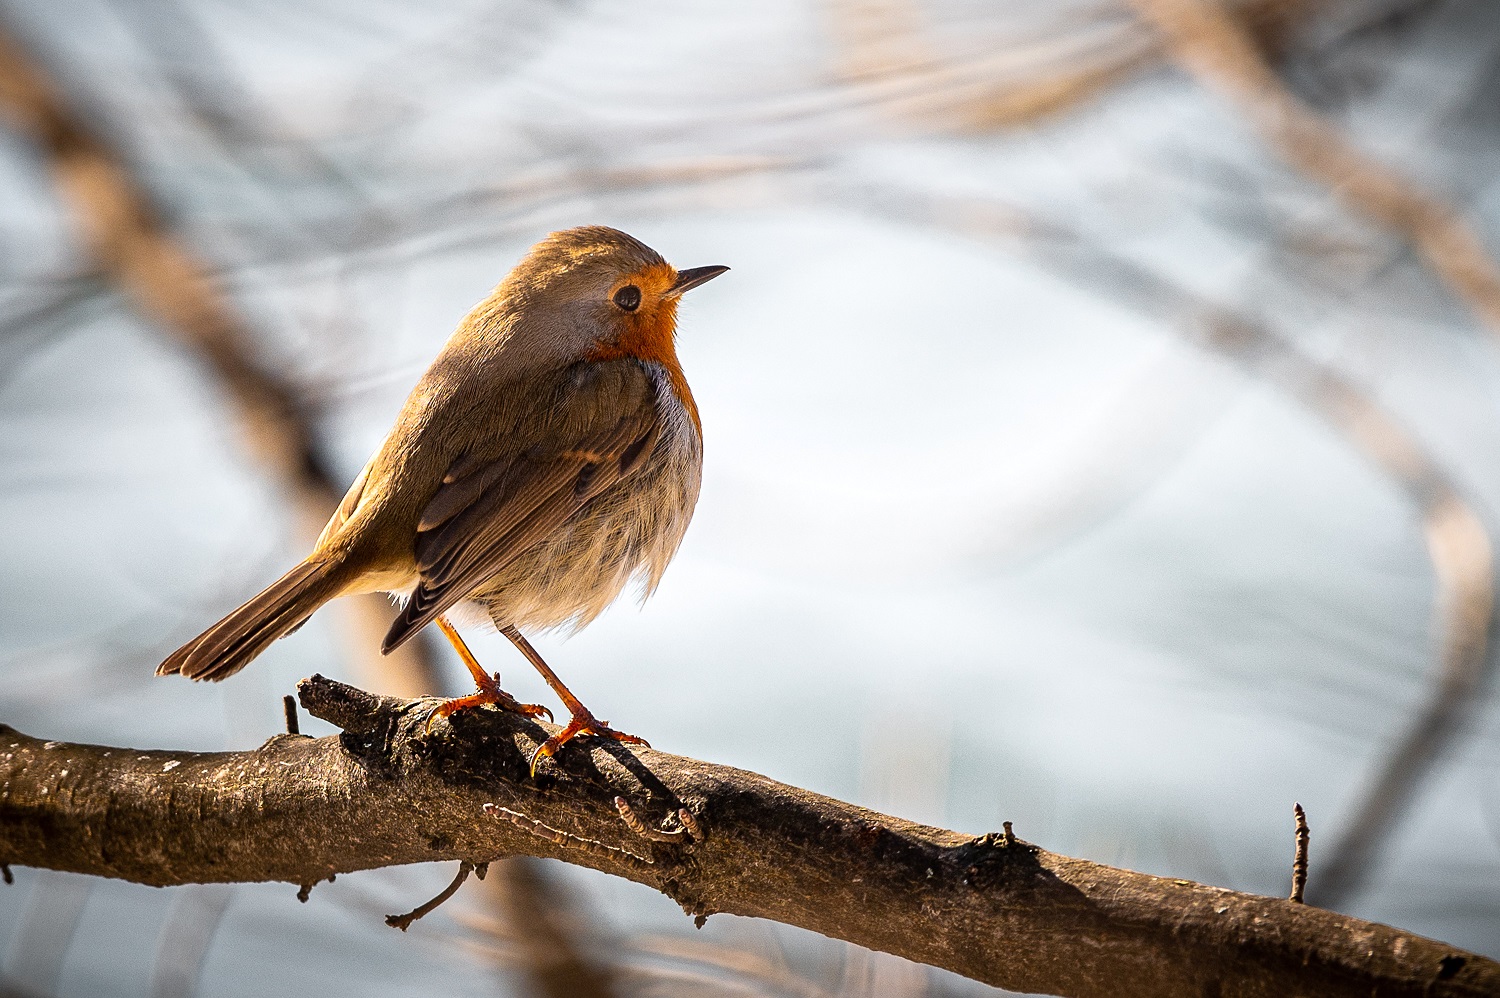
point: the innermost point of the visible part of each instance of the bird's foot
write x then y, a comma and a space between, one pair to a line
583, 723
488, 693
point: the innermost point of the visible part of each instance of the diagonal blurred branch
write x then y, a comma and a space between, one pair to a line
888, 51
1459, 544
164, 279
192, 925
158, 273
543, 919
39, 949
1208, 40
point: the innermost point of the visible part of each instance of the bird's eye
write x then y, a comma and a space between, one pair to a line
628, 297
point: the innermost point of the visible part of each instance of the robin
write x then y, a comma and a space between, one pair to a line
551, 454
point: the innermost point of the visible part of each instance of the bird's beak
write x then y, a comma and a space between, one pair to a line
689, 279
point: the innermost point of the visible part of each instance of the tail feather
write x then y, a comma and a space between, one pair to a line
232, 643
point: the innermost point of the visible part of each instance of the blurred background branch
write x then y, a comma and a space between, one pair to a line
1208, 39
1458, 541
178, 293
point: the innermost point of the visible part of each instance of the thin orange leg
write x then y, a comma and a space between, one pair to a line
582, 723
489, 686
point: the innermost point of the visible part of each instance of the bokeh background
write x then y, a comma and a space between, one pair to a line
1102, 421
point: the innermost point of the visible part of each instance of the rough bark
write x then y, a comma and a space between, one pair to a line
385, 792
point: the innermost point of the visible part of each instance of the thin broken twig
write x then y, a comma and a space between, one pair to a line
642, 829
1299, 861
557, 836
403, 922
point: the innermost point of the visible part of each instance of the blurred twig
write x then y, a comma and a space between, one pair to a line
1207, 39
769, 974
888, 50
186, 937
247, 133
26, 328
545, 922
887, 53
670, 964
42, 940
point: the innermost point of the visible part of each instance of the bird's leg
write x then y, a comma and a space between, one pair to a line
582, 723
489, 686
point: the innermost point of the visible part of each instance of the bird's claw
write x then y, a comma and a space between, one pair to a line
581, 724
496, 696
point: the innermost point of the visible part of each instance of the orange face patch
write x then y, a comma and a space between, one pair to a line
649, 332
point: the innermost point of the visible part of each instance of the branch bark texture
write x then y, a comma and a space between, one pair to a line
385, 792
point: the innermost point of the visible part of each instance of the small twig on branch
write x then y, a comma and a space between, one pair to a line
403, 922
559, 837
994, 908
304, 891
690, 823
1299, 861
289, 704
642, 829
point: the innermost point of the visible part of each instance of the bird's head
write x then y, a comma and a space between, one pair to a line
591, 293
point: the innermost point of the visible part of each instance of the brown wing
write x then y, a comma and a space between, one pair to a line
491, 509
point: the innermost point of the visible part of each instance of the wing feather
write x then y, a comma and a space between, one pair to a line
490, 511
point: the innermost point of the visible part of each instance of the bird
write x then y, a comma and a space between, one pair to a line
551, 454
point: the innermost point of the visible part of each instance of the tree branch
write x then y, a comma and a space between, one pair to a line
386, 792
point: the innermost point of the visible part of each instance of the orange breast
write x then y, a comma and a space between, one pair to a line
650, 335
